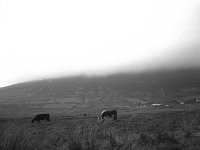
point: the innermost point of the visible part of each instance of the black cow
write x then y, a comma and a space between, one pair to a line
108, 114
41, 117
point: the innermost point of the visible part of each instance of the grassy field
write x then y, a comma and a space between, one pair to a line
153, 130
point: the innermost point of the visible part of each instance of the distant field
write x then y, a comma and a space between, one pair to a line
29, 110
150, 130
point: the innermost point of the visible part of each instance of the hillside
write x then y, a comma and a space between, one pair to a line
80, 94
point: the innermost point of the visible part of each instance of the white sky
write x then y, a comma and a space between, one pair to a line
45, 38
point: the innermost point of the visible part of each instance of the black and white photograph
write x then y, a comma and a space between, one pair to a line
100, 75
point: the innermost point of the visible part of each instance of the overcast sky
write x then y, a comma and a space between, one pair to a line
46, 38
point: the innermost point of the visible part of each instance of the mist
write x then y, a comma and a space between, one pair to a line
45, 39
185, 57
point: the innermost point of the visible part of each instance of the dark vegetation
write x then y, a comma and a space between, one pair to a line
161, 130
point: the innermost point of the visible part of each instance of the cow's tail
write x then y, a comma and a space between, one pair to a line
115, 114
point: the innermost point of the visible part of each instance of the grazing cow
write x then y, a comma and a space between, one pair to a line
41, 117
108, 114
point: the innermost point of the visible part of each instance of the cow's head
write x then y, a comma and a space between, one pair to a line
100, 119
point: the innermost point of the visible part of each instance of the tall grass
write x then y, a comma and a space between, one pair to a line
163, 131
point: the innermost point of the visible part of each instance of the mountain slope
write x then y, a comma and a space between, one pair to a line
89, 94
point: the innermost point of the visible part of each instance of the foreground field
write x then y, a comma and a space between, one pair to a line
162, 130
